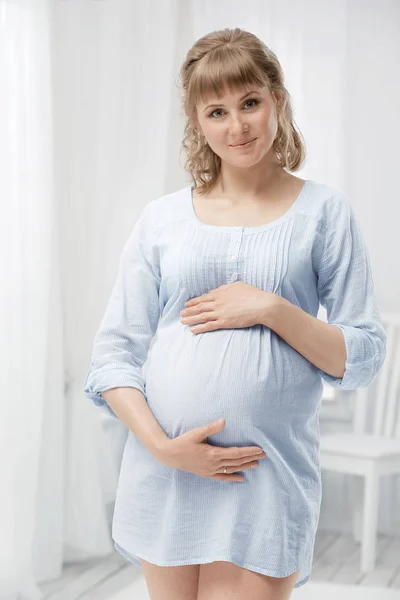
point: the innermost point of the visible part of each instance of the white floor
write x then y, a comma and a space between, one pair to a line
310, 591
330, 591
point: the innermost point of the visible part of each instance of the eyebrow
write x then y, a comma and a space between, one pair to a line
240, 99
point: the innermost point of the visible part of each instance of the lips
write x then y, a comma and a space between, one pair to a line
243, 143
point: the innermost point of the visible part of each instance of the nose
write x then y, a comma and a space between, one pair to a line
237, 126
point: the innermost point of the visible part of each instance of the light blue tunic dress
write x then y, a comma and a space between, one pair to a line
268, 393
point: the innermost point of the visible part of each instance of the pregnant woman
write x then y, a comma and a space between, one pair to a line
230, 271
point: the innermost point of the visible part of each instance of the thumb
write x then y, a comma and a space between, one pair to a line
210, 429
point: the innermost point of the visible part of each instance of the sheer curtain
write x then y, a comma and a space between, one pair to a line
91, 130
56, 470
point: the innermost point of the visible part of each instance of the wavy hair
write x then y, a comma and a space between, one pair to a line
235, 59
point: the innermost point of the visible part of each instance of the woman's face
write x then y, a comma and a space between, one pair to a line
235, 119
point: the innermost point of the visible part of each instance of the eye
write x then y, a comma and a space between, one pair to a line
247, 101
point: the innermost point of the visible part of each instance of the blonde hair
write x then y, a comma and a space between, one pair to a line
233, 59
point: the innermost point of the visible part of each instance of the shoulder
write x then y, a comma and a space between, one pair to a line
165, 209
330, 206
324, 197
334, 221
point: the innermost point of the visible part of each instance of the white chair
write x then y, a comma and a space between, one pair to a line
370, 454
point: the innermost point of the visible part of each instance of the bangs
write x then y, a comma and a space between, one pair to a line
224, 68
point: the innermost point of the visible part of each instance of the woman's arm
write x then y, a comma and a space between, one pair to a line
320, 343
130, 321
346, 290
130, 406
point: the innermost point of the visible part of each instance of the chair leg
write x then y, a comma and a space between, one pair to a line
370, 520
356, 499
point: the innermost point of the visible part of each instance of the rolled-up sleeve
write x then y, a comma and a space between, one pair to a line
130, 321
346, 291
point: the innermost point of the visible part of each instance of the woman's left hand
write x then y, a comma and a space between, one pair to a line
229, 306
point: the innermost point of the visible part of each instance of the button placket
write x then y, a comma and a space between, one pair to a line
234, 253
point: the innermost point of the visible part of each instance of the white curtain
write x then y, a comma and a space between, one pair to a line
91, 130
57, 472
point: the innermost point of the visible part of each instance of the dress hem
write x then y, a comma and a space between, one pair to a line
202, 560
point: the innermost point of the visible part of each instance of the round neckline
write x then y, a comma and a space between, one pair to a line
247, 229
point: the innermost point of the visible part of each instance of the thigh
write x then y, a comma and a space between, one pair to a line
171, 583
222, 579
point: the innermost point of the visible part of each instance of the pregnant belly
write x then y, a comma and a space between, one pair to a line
250, 377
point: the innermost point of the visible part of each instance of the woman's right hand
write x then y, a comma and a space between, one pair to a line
190, 452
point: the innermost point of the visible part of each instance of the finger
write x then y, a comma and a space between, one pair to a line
231, 476
210, 325
234, 468
241, 462
237, 453
228, 477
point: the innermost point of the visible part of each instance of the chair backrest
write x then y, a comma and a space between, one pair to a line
385, 400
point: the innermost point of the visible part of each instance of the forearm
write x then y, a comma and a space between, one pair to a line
131, 408
319, 342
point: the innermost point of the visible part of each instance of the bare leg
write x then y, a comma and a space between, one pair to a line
222, 579
171, 583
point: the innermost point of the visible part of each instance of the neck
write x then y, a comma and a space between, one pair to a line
239, 185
